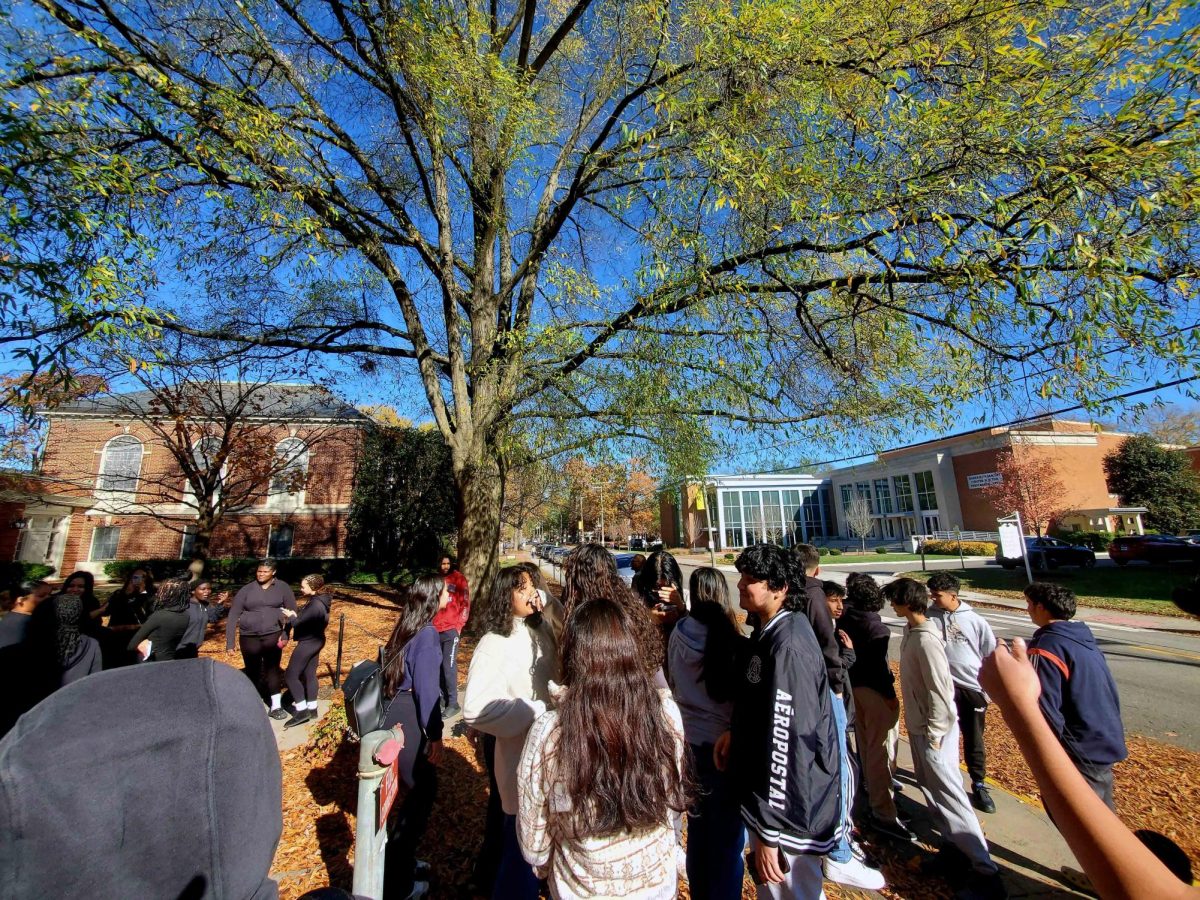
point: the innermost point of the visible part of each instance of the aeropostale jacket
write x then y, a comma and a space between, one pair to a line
784, 755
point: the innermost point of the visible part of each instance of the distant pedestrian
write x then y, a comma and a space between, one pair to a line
600, 779
876, 707
163, 631
256, 620
1079, 696
702, 661
449, 623
308, 632
969, 639
933, 735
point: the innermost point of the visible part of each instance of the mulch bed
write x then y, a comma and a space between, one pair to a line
1156, 787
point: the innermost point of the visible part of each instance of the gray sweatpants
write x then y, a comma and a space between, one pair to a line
941, 782
805, 881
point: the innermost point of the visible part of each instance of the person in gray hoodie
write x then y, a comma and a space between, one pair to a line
701, 663
969, 639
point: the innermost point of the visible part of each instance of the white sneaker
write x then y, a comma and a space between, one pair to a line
854, 873
419, 890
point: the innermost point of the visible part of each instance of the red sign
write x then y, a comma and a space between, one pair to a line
389, 787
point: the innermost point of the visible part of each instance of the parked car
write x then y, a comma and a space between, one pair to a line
1152, 548
1050, 553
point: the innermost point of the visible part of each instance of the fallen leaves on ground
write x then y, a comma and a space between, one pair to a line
1155, 788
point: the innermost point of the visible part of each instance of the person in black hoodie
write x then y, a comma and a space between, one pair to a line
203, 825
1079, 696
308, 630
257, 619
782, 747
163, 631
876, 707
201, 614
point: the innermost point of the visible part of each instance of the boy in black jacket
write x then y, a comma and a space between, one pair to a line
783, 745
1079, 697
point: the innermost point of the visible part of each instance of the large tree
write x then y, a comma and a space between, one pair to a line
1143, 473
594, 219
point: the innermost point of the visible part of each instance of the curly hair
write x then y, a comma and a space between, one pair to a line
590, 571
420, 604
863, 592
659, 567
495, 613
173, 595
617, 755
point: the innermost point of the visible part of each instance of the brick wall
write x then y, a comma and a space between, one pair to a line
71, 464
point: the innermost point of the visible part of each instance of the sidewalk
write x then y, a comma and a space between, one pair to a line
1025, 845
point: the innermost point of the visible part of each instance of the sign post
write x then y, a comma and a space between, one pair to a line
1012, 541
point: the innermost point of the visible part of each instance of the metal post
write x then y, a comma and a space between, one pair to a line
712, 555
1024, 551
922, 546
962, 562
370, 835
337, 672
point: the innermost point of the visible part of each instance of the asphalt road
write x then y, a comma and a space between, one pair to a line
1157, 672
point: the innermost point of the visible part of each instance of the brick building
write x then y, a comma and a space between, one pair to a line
933, 486
937, 485
109, 487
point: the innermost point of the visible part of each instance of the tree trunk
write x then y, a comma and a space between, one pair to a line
481, 490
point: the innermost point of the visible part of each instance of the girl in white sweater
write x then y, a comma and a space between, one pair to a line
507, 688
597, 818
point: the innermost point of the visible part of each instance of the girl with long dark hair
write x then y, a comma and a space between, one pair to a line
590, 572
876, 707
702, 663
163, 630
508, 686
131, 604
659, 583
601, 777
411, 684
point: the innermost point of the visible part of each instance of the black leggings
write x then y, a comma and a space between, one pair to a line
301, 674
260, 655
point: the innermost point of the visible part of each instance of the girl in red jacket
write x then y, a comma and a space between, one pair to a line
449, 623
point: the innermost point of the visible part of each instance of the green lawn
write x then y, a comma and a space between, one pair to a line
1143, 589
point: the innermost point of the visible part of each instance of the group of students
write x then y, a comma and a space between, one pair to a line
49, 639
607, 716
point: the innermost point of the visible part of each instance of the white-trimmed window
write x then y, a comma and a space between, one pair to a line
204, 453
120, 465
187, 546
291, 467
104, 542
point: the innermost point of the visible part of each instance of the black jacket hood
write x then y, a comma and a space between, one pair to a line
158, 781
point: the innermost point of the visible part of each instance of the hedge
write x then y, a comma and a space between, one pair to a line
969, 548
882, 550
239, 569
16, 572
834, 551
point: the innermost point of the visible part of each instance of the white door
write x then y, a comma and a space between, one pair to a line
933, 522
43, 540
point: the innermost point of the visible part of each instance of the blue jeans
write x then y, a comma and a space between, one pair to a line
515, 879
716, 836
841, 853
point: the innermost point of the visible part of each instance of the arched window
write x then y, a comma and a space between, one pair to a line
120, 465
291, 466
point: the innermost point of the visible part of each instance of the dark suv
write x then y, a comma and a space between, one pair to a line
1050, 553
1152, 548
